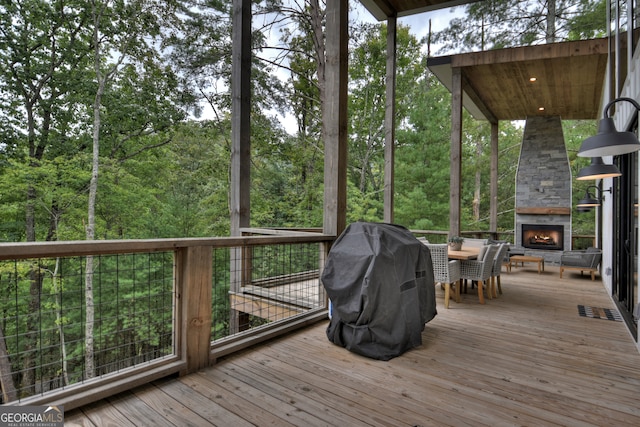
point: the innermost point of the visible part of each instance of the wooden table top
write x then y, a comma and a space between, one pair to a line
464, 253
525, 258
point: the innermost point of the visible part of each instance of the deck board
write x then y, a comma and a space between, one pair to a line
526, 358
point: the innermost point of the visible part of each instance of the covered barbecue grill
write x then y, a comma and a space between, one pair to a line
379, 278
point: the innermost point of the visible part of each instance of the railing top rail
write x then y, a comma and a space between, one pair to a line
22, 250
281, 231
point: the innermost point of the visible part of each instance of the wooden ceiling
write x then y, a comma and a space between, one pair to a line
383, 9
569, 75
569, 80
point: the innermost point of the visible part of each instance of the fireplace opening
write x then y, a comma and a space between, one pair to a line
549, 237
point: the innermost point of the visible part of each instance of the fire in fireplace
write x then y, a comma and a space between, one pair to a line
549, 237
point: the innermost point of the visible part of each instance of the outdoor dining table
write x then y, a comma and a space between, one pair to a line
464, 253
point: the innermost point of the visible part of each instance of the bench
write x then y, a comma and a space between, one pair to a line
526, 258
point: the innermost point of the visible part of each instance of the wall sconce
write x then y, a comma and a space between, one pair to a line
589, 202
598, 170
608, 141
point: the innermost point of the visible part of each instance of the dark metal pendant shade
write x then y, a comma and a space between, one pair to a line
588, 202
609, 142
598, 170
583, 210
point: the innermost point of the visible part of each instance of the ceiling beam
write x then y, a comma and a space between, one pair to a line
531, 53
470, 91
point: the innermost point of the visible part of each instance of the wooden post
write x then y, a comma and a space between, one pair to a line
493, 207
334, 118
389, 120
456, 152
240, 116
193, 287
239, 199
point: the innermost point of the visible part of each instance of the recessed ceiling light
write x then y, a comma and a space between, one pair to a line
540, 108
533, 79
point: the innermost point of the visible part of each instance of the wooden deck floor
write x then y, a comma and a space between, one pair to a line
525, 359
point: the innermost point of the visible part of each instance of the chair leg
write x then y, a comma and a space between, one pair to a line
499, 286
447, 294
492, 288
480, 293
458, 285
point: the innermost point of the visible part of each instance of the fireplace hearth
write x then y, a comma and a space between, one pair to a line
547, 237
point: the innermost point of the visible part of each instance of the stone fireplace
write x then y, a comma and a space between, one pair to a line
543, 190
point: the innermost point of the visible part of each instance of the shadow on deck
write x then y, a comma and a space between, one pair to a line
526, 358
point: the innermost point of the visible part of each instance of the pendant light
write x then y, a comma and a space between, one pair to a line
608, 141
598, 170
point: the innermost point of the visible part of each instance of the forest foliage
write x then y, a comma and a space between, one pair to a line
165, 135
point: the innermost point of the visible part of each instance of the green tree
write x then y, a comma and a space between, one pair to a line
43, 48
43, 45
194, 200
367, 75
300, 161
422, 159
495, 24
123, 37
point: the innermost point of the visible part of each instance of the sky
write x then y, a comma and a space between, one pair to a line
418, 23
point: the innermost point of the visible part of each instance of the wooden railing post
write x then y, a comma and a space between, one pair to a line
194, 282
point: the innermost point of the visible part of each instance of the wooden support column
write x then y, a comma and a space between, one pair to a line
239, 199
334, 118
194, 271
240, 116
493, 207
456, 152
390, 121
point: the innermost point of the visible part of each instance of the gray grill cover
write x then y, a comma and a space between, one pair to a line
379, 278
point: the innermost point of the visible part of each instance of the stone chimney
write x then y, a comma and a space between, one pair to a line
543, 185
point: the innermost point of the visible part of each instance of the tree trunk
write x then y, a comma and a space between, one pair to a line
90, 235
60, 323
89, 368
317, 18
478, 183
9, 393
31, 335
93, 191
551, 22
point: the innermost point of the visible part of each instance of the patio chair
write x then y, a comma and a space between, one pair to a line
582, 260
479, 270
445, 272
474, 243
502, 258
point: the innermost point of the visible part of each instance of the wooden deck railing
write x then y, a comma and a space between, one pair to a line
220, 295
206, 277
